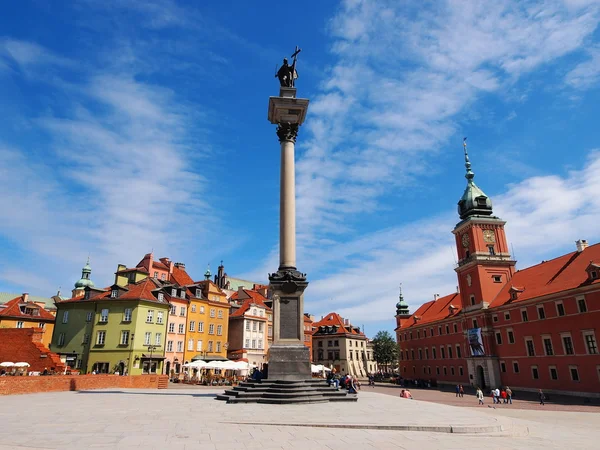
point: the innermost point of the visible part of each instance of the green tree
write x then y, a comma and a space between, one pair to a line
385, 350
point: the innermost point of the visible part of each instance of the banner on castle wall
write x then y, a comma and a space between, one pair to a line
475, 342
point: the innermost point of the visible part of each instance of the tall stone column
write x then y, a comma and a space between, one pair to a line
289, 358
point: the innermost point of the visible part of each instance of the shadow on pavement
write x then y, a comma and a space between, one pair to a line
147, 393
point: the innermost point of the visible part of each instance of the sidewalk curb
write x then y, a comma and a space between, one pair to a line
461, 429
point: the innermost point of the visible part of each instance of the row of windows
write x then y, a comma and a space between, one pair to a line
179, 346
127, 313
213, 312
552, 371
427, 370
455, 329
22, 324
199, 345
255, 325
254, 343
589, 339
124, 338
541, 311
405, 355
333, 355
192, 328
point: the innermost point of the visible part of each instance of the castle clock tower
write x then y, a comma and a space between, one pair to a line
484, 260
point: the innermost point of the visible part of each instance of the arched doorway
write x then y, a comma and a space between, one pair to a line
168, 368
480, 378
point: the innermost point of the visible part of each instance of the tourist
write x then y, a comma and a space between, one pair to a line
352, 386
509, 395
503, 395
479, 395
332, 379
461, 391
457, 389
371, 380
407, 394
497, 395
542, 397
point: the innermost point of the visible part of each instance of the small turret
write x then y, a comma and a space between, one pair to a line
401, 306
207, 274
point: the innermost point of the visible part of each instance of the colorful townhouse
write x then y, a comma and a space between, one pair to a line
338, 344
248, 327
118, 329
21, 312
207, 322
533, 328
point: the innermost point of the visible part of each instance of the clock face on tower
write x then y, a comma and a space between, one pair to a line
489, 236
465, 240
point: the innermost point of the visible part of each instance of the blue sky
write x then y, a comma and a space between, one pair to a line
131, 126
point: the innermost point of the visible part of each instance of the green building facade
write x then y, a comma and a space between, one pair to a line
121, 329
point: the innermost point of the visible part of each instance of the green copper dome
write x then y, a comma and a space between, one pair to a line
85, 280
473, 202
207, 274
401, 306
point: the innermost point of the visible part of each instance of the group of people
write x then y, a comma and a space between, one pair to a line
346, 382
460, 391
498, 395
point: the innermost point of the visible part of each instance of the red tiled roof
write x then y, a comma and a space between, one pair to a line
255, 299
549, 277
142, 290
159, 265
334, 319
12, 308
435, 310
181, 277
134, 269
145, 262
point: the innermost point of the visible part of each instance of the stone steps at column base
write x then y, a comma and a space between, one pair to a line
285, 392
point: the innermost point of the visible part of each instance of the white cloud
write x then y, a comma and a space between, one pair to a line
544, 214
587, 73
400, 79
115, 181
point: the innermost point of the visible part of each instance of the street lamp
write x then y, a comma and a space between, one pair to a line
151, 348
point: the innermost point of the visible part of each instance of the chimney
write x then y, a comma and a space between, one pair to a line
180, 265
581, 244
436, 296
25, 297
457, 290
346, 322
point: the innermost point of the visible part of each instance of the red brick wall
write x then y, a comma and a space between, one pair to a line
28, 385
24, 345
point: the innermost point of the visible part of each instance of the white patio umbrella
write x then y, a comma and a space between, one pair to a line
22, 364
199, 364
7, 364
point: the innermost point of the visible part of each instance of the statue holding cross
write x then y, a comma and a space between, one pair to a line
287, 74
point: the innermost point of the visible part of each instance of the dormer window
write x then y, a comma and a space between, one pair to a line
173, 292
182, 293
513, 295
198, 293
593, 274
114, 293
497, 278
161, 296
481, 201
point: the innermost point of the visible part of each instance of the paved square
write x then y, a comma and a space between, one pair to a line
190, 418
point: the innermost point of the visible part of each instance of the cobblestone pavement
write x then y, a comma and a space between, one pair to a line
529, 401
190, 418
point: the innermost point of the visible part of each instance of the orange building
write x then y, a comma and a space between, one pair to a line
22, 313
528, 329
308, 332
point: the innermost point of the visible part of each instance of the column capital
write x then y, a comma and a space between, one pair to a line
287, 132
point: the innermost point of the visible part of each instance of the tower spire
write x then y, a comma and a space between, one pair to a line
469, 175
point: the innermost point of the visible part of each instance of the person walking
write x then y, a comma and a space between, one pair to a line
461, 391
497, 395
479, 395
542, 397
509, 395
503, 395
457, 389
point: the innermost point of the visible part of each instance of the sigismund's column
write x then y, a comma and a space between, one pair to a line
289, 358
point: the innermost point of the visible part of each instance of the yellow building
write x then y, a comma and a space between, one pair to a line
20, 312
207, 324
